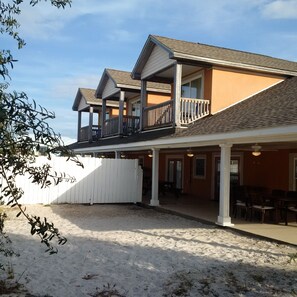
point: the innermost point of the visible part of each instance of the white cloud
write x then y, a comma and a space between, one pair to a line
280, 9
68, 86
43, 21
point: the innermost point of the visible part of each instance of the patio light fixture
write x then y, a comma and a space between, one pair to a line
256, 150
190, 153
150, 154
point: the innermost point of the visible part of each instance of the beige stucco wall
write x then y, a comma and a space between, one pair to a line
230, 86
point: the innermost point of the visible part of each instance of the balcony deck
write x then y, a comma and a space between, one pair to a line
131, 125
161, 115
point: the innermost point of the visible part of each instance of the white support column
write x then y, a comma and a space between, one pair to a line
177, 94
103, 117
117, 155
224, 218
79, 126
121, 112
90, 136
155, 178
142, 102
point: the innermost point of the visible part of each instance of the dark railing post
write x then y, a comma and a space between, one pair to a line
143, 120
103, 118
121, 112
90, 134
79, 127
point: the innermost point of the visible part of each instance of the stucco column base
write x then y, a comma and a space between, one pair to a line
224, 221
154, 202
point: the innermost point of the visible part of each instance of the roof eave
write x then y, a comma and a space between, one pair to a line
144, 55
76, 100
177, 56
265, 135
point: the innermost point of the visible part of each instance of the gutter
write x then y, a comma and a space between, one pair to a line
279, 134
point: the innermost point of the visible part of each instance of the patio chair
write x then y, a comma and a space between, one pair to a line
291, 206
277, 194
261, 205
291, 209
241, 201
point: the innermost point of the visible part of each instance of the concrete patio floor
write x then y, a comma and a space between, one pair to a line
207, 211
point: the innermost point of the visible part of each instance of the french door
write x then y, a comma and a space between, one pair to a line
175, 172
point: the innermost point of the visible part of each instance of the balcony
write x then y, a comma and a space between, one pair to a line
84, 133
161, 115
158, 115
131, 125
192, 110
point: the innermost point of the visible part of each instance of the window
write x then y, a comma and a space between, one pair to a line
192, 89
200, 166
136, 108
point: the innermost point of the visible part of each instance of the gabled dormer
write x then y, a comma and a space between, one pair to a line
89, 110
204, 79
118, 86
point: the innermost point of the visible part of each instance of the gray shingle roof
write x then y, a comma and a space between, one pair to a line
124, 78
274, 107
89, 96
215, 53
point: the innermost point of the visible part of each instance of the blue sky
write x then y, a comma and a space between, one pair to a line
68, 49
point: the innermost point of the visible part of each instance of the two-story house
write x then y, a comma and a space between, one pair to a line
231, 119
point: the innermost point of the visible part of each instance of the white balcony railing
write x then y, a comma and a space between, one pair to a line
192, 110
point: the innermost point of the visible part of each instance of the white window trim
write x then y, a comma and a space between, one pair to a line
193, 77
194, 166
133, 101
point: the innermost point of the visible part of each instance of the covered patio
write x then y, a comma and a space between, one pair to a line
207, 212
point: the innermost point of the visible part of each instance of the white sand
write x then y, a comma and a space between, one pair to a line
146, 253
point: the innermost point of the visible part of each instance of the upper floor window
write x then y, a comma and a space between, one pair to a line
192, 89
135, 107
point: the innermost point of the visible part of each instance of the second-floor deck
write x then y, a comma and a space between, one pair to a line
155, 116
160, 115
84, 133
130, 125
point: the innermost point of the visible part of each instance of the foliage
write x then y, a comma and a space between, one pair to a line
24, 129
293, 257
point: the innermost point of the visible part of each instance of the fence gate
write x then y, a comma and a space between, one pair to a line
100, 181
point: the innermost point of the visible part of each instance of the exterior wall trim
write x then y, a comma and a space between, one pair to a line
178, 56
278, 134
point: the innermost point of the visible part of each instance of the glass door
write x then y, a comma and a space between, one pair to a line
175, 174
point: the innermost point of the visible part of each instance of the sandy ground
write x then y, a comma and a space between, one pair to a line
140, 252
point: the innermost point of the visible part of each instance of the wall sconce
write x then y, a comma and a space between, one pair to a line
123, 155
190, 153
150, 154
256, 150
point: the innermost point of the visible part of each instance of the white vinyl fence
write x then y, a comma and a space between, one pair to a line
100, 181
